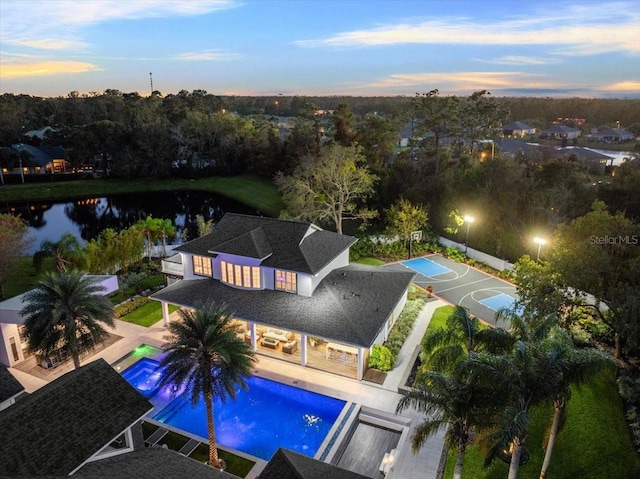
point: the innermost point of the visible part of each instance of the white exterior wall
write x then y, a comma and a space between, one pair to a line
187, 267
338, 262
6, 332
305, 285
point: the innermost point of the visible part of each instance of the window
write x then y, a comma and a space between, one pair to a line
239, 275
286, 281
202, 266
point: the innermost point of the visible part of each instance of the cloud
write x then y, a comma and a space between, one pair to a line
58, 24
520, 60
44, 68
208, 55
623, 86
579, 30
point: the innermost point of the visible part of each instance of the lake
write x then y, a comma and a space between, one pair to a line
86, 218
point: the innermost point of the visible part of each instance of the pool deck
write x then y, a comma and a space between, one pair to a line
383, 397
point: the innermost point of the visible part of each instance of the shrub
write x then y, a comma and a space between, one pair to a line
381, 358
129, 306
455, 254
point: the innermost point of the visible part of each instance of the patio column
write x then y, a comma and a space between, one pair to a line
165, 313
360, 372
254, 339
303, 349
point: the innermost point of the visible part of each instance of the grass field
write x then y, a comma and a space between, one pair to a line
259, 193
148, 314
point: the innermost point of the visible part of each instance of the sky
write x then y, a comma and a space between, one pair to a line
585, 48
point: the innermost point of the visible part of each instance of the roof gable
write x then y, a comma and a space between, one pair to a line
284, 244
291, 465
62, 424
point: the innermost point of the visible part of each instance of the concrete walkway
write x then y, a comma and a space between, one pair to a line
383, 397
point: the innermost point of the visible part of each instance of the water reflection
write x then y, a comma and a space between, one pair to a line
86, 218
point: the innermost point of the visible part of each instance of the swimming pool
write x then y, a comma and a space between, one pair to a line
268, 416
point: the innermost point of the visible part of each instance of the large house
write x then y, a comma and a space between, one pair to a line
518, 129
292, 290
560, 132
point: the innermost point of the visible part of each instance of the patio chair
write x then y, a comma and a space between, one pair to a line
156, 436
189, 447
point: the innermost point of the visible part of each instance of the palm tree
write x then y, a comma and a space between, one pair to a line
166, 230
151, 230
581, 366
456, 402
442, 348
65, 311
525, 377
66, 251
206, 357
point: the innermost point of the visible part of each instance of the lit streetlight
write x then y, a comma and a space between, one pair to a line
468, 220
539, 242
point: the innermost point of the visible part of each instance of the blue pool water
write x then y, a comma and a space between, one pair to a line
144, 376
268, 416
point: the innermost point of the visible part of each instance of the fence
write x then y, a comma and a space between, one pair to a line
496, 263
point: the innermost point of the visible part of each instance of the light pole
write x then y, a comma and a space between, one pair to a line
468, 220
539, 242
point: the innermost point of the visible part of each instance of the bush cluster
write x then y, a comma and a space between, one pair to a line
127, 307
629, 388
383, 357
389, 250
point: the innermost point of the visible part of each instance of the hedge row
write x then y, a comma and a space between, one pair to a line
127, 307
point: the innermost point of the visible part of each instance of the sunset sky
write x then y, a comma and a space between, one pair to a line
332, 47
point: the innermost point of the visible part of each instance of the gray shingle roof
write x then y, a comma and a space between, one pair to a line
351, 305
150, 463
290, 245
9, 386
287, 464
62, 424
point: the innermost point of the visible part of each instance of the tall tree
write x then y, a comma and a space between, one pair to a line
13, 241
343, 124
67, 251
166, 230
65, 310
206, 357
523, 377
455, 402
403, 218
150, 227
435, 115
581, 365
331, 187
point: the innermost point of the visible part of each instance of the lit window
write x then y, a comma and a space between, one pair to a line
286, 281
239, 275
202, 266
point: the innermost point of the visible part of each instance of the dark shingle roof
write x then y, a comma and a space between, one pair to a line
517, 125
290, 245
62, 424
40, 158
584, 153
9, 386
351, 305
287, 464
150, 463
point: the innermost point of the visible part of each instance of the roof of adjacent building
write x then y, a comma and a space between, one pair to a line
150, 463
40, 158
284, 244
351, 305
584, 153
561, 129
512, 145
291, 465
517, 125
9, 386
58, 427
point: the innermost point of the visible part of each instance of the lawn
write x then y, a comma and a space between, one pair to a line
369, 261
147, 314
259, 193
594, 443
24, 276
439, 318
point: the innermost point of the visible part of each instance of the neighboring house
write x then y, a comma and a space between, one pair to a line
88, 414
516, 149
612, 135
291, 465
41, 133
10, 388
518, 129
560, 132
36, 161
409, 133
13, 345
591, 160
292, 290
